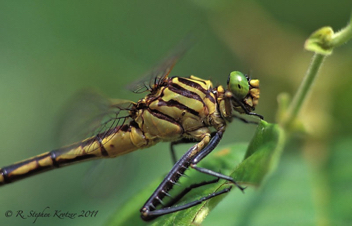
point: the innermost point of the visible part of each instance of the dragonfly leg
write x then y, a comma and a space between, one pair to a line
182, 141
149, 211
245, 120
202, 154
190, 188
246, 111
194, 155
156, 213
218, 175
172, 149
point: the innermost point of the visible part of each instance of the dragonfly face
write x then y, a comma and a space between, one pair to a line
175, 109
244, 92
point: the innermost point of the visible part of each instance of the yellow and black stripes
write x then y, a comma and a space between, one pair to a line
174, 103
116, 141
26, 168
200, 85
175, 108
184, 92
65, 156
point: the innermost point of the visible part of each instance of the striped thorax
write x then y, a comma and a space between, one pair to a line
186, 107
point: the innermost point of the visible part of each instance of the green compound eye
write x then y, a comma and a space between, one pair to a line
238, 85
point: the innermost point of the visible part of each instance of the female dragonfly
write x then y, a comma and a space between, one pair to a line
176, 110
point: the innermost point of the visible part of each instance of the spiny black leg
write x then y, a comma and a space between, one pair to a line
182, 141
199, 156
148, 211
245, 109
190, 158
218, 175
209, 148
188, 189
157, 213
255, 114
245, 120
173, 143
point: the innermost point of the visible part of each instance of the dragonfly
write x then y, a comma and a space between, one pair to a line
176, 110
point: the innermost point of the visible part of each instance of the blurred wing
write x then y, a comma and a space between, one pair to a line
89, 114
159, 73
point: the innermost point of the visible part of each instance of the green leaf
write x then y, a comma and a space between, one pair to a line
262, 154
284, 199
261, 158
338, 186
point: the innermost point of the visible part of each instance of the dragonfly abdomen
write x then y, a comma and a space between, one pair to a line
114, 142
26, 168
129, 138
44, 162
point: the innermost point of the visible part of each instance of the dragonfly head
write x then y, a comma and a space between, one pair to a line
244, 91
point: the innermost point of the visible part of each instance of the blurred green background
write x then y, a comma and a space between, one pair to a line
49, 50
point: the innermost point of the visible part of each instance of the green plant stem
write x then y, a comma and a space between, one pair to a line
342, 36
322, 42
304, 88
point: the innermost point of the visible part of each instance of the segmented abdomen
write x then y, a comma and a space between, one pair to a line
117, 141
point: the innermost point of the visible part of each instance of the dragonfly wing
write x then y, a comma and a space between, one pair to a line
103, 178
85, 115
159, 73
90, 113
